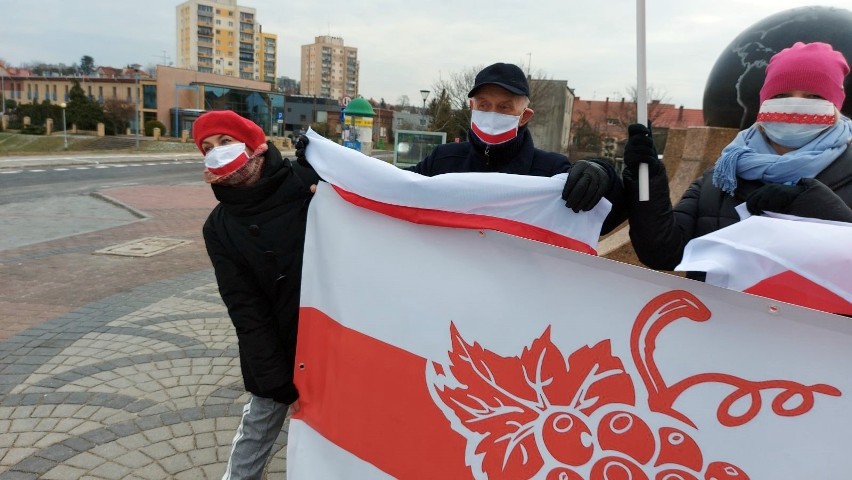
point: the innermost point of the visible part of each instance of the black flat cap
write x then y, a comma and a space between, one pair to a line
505, 75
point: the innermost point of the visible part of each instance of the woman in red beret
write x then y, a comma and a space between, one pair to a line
255, 239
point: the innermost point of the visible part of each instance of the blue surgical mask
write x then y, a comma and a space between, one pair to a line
794, 122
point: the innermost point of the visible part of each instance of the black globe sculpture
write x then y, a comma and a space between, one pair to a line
733, 87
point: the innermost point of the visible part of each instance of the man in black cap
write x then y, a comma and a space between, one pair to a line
499, 141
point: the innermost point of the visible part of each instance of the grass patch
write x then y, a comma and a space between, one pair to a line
20, 144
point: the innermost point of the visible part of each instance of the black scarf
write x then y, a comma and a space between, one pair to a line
500, 154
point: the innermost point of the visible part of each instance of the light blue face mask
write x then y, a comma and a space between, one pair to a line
792, 135
794, 122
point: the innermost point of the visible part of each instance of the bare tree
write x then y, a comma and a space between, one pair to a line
119, 113
457, 85
656, 98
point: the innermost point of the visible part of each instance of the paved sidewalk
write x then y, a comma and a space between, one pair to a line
115, 367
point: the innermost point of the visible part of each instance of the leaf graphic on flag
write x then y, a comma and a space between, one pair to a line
504, 399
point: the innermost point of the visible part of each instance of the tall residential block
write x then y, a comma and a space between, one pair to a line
221, 37
329, 68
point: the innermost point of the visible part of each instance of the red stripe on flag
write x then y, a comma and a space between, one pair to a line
371, 399
793, 288
443, 218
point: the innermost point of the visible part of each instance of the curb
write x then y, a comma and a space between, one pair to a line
118, 203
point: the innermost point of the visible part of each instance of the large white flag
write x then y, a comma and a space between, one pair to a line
473, 352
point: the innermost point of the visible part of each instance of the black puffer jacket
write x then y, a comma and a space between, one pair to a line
519, 157
659, 232
255, 239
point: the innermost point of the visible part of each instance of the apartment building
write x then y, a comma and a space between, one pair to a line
329, 68
267, 53
223, 38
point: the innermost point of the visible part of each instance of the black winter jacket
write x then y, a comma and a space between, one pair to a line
518, 157
255, 239
659, 232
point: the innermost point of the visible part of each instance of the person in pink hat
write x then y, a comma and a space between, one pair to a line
794, 160
255, 239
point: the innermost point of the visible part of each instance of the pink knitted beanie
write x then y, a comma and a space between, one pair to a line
813, 67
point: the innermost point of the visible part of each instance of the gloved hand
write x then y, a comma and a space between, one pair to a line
773, 197
640, 149
587, 183
301, 145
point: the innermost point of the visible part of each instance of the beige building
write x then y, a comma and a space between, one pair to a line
129, 85
329, 68
223, 38
553, 103
267, 54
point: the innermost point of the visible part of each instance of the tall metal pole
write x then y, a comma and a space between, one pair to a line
425, 95
137, 110
3, 94
641, 92
64, 128
177, 110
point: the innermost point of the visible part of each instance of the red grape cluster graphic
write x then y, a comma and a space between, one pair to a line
543, 415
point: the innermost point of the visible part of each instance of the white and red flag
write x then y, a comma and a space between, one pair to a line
479, 348
791, 259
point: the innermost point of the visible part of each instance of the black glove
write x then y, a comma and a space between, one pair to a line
587, 183
773, 198
640, 149
301, 144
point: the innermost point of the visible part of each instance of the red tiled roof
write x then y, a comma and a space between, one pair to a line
611, 118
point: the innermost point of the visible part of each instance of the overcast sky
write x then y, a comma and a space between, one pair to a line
405, 46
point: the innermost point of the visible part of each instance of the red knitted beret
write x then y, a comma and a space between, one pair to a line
226, 122
812, 67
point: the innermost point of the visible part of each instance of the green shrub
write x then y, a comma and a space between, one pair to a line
150, 125
34, 130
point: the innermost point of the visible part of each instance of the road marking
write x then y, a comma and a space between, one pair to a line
13, 171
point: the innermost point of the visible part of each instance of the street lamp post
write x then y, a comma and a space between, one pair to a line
137, 110
425, 95
64, 128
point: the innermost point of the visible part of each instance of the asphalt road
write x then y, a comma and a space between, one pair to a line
33, 183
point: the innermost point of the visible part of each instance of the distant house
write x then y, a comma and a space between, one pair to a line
596, 121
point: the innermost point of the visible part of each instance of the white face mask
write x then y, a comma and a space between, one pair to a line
794, 122
494, 128
226, 159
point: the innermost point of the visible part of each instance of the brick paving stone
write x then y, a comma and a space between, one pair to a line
119, 367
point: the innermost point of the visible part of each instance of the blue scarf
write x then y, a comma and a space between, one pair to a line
751, 157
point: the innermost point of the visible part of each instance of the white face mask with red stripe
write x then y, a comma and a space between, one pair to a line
793, 122
494, 128
226, 159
